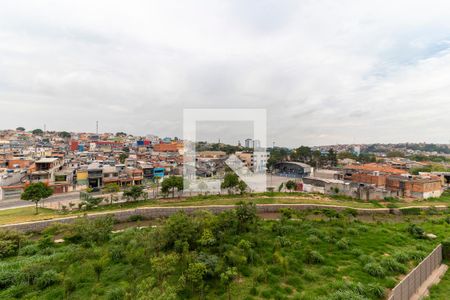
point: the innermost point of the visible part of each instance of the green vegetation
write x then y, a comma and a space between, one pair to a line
232, 183
112, 189
37, 132
430, 168
441, 290
234, 255
172, 183
90, 204
35, 192
362, 158
64, 134
134, 192
123, 157
314, 157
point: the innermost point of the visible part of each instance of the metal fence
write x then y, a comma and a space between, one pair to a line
411, 283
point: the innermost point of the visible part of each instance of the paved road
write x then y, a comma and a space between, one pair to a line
15, 203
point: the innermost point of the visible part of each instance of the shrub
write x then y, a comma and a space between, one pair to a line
343, 244
287, 213
416, 231
375, 269
283, 241
417, 255
8, 278
410, 211
312, 239
69, 286
352, 231
432, 211
365, 259
10, 242
447, 219
376, 290
350, 212
29, 250
117, 293
135, 218
356, 252
391, 265
401, 257
446, 249
47, 279
254, 291
313, 257
90, 231
344, 295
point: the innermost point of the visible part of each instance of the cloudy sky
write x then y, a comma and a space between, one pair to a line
326, 71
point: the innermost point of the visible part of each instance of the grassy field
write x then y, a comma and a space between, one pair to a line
228, 256
26, 214
442, 290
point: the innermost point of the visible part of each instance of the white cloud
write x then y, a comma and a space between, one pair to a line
327, 71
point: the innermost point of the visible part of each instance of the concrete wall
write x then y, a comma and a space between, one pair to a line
158, 212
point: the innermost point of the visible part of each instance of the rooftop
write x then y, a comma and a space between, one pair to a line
374, 167
47, 160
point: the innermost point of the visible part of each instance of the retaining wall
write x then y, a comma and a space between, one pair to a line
157, 212
412, 282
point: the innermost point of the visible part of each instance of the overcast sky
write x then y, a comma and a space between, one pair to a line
326, 71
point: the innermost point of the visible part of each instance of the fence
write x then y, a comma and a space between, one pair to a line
411, 283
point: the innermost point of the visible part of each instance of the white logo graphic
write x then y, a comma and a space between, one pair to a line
254, 177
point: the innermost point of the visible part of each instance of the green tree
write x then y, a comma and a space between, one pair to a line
290, 185
280, 187
242, 186
123, 157
35, 192
20, 129
99, 265
367, 158
302, 154
164, 265
171, 183
37, 132
316, 158
347, 155
246, 215
64, 134
227, 278
112, 189
121, 134
149, 289
134, 192
88, 231
10, 243
230, 182
332, 158
194, 276
277, 155
395, 153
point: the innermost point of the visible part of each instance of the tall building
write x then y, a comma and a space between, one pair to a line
248, 143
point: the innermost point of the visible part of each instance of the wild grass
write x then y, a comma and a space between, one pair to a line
328, 258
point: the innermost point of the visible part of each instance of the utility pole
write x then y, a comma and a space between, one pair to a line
96, 127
